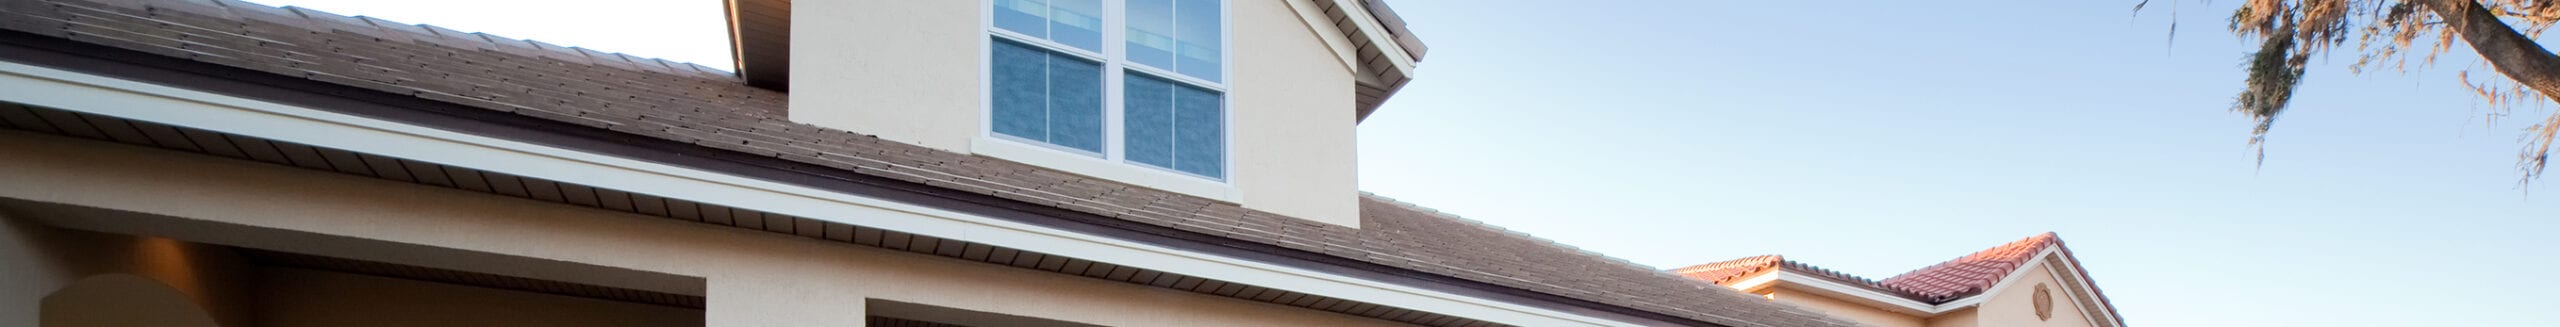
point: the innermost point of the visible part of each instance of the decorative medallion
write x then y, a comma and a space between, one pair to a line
2044, 303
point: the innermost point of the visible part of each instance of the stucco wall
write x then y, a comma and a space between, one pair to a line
40, 260
2015, 306
1852, 311
1967, 317
752, 278
910, 71
290, 297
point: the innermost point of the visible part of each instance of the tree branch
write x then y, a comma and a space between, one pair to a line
2513, 54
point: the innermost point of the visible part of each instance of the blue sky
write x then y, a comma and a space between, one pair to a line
1877, 137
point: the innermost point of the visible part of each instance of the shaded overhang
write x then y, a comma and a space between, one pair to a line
1384, 56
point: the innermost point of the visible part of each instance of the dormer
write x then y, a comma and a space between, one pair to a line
1246, 101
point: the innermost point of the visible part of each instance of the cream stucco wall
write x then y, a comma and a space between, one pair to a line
752, 278
911, 71
290, 297
2015, 306
1967, 317
1854, 312
907, 71
36, 261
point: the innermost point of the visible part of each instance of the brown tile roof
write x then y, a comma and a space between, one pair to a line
702, 106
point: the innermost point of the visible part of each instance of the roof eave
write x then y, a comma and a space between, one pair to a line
1387, 50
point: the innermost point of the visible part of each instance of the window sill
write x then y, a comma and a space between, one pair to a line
1123, 172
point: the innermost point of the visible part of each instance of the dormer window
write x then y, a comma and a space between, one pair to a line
1135, 81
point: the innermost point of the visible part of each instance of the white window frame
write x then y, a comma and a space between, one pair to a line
1115, 67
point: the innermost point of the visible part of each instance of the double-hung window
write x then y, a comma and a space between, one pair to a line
1136, 81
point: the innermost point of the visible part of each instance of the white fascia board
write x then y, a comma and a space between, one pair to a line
92, 94
2073, 264
1756, 282
1377, 34
1334, 38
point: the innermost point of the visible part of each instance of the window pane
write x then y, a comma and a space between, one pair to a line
1029, 17
1174, 126
1148, 120
1199, 139
1046, 97
1021, 93
1197, 38
1151, 32
1075, 103
1076, 23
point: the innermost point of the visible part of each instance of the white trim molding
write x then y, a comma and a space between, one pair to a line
100, 95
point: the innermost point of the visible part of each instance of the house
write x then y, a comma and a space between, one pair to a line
870, 163
2029, 282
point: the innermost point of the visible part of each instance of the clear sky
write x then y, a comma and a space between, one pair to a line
1877, 137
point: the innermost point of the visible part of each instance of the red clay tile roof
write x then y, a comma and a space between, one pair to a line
705, 107
1724, 272
1965, 276
1973, 273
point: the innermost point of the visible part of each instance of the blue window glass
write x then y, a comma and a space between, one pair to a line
1147, 120
1199, 127
1196, 34
1174, 126
1046, 97
1183, 36
1075, 23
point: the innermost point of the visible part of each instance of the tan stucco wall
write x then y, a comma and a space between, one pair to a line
904, 70
2015, 306
910, 71
1855, 312
752, 278
40, 260
290, 297
1295, 151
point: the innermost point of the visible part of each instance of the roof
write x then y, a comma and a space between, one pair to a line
649, 98
1972, 273
1726, 271
1965, 276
